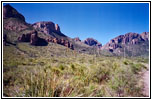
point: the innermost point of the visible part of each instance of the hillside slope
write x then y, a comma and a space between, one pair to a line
130, 44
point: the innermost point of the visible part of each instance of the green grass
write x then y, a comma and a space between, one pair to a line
55, 71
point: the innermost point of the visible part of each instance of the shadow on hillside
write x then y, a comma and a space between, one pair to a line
42, 42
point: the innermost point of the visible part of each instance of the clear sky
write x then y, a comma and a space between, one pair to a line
102, 21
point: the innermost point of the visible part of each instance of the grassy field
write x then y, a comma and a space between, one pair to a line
55, 71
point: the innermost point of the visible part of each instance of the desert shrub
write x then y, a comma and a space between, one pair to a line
124, 82
42, 82
53, 74
137, 67
126, 62
61, 67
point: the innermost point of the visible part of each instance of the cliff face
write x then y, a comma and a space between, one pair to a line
13, 20
92, 42
131, 43
9, 11
47, 27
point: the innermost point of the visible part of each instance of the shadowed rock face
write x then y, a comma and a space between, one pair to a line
9, 11
145, 36
130, 36
92, 42
63, 42
33, 38
13, 20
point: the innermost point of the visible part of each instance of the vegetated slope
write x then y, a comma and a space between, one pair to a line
55, 70
130, 44
15, 26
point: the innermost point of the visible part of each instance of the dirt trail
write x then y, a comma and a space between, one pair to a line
146, 81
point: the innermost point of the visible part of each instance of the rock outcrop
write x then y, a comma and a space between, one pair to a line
127, 39
33, 38
145, 36
9, 11
62, 41
5, 39
47, 27
25, 37
131, 36
92, 42
13, 20
77, 39
57, 28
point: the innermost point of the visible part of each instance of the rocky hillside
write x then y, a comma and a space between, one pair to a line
93, 42
130, 44
48, 27
17, 30
9, 11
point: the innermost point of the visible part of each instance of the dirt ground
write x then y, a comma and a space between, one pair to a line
146, 82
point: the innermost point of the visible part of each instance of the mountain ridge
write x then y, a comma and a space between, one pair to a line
51, 32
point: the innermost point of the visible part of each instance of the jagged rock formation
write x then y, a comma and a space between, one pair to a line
130, 43
33, 38
47, 27
129, 38
13, 20
77, 39
145, 36
25, 37
9, 11
61, 42
92, 42
57, 28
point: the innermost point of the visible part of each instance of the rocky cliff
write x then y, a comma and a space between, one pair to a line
47, 27
130, 43
92, 42
9, 11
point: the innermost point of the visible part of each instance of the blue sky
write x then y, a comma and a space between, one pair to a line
102, 21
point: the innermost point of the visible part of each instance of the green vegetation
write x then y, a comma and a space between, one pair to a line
55, 71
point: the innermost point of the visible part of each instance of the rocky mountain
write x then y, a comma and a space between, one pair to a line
129, 44
17, 30
9, 11
92, 42
145, 36
39, 34
48, 27
13, 20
